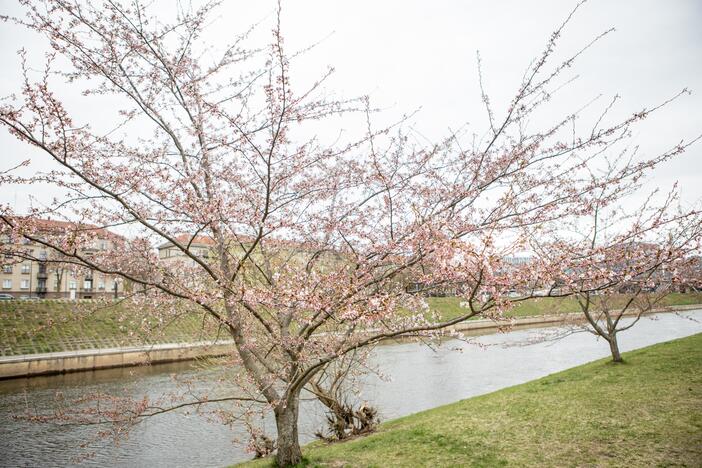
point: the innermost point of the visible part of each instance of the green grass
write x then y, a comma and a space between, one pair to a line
448, 307
646, 412
28, 327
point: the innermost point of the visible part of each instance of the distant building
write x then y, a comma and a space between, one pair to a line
516, 261
443, 289
30, 269
693, 274
200, 246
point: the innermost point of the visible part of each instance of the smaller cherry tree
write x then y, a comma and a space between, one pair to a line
628, 273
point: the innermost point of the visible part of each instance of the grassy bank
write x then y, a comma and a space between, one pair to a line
449, 307
28, 327
646, 412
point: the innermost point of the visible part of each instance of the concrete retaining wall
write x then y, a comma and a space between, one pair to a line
91, 359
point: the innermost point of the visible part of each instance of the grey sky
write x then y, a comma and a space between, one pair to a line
412, 54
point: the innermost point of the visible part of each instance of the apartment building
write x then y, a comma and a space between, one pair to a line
39, 272
199, 245
204, 246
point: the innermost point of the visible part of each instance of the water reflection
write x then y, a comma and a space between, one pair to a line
420, 378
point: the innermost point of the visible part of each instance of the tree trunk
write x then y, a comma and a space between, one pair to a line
289, 452
614, 348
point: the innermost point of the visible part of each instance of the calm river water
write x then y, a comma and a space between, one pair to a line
420, 378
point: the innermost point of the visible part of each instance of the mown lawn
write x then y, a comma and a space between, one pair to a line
646, 412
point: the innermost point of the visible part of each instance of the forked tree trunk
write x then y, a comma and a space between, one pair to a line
614, 348
611, 337
289, 452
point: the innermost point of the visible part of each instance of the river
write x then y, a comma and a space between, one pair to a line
417, 378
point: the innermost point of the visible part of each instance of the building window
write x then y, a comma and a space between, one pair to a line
88, 284
7, 284
24, 284
26, 267
101, 285
42, 255
72, 284
7, 268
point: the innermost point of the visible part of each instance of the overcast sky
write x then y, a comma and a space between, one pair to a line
417, 54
